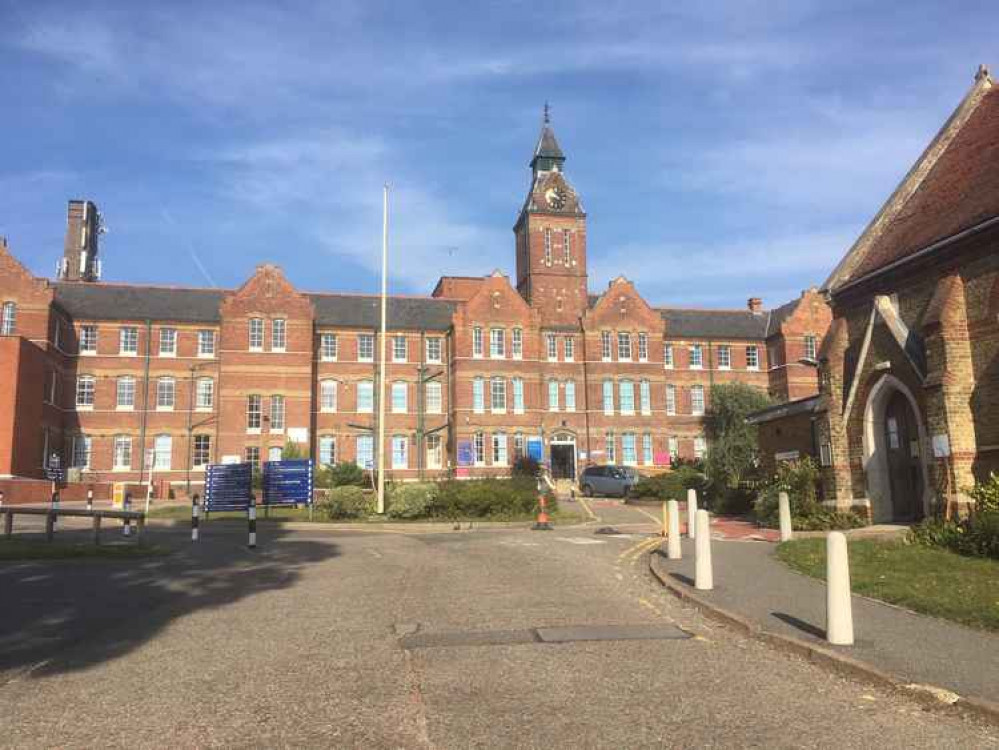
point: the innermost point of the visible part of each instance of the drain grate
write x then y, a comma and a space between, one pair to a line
566, 634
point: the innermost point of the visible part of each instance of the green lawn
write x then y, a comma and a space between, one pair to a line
932, 581
183, 512
34, 549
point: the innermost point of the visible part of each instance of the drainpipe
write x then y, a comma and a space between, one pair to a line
145, 402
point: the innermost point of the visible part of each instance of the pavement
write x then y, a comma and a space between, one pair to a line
490, 637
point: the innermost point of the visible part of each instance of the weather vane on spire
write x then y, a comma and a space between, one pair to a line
548, 118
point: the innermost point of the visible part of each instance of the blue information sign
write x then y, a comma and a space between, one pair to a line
535, 449
466, 454
288, 482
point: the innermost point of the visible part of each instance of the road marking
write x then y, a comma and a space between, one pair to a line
587, 508
659, 521
577, 540
635, 551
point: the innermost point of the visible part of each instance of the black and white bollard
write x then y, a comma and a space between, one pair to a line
194, 518
251, 515
126, 505
673, 551
784, 511
691, 513
839, 607
704, 578
55, 507
90, 499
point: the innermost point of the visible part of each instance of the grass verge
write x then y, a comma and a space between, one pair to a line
33, 549
933, 581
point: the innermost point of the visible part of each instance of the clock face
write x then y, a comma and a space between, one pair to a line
555, 197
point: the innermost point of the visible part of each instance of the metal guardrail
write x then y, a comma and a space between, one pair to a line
9, 511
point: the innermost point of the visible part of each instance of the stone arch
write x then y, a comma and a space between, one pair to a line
876, 470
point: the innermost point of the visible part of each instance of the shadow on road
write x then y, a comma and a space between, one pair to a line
65, 615
805, 627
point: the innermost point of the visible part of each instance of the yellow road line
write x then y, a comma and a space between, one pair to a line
645, 546
636, 546
657, 519
589, 511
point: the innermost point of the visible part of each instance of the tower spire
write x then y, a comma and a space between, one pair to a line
548, 156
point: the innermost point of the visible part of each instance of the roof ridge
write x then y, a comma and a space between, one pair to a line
130, 285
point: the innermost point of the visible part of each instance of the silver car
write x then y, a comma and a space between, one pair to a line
612, 480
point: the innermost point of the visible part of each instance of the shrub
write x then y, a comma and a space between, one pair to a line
481, 498
525, 466
671, 485
347, 502
411, 500
799, 479
345, 474
975, 536
986, 495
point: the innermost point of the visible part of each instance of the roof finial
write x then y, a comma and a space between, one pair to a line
983, 72
548, 118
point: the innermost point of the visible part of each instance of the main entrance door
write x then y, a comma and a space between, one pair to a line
562, 449
902, 446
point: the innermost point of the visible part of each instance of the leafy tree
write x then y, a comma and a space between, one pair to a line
732, 442
293, 450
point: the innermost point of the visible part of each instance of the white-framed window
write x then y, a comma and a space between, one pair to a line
517, 343
552, 395
673, 446
327, 450
365, 451
626, 396
400, 392
277, 414
434, 397
88, 339
400, 452
497, 394
629, 455
645, 396
201, 452
166, 394
162, 452
275, 453
605, 346
435, 454
479, 445
8, 319
206, 343
724, 357
570, 395
518, 444
478, 395
624, 346
477, 341
81, 451
365, 347
253, 412
128, 341
696, 357
125, 393
608, 392
700, 447
548, 246
668, 356
643, 347
647, 448
327, 395
551, 346
497, 343
122, 452
85, 387
518, 395
752, 358
252, 456
328, 347
256, 334
569, 346
810, 346
697, 400
566, 248
365, 396
435, 350
670, 399
610, 447
279, 334
204, 399
400, 350
499, 449
168, 342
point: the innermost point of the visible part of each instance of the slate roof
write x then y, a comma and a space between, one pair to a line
90, 301
808, 405
714, 324
547, 145
404, 313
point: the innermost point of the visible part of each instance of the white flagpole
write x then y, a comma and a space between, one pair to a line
381, 357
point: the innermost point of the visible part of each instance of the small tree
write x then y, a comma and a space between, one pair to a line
292, 451
732, 442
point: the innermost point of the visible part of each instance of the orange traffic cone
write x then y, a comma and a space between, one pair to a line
542, 524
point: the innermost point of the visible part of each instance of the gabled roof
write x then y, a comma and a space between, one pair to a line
953, 187
714, 324
364, 311
99, 301
777, 316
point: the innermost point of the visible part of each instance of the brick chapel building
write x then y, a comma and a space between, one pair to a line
123, 379
908, 415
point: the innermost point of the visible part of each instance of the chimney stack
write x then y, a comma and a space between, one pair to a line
79, 258
755, 305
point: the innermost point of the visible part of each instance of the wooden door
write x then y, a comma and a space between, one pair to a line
902, 446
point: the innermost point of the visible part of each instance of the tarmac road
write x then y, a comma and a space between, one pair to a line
409, 639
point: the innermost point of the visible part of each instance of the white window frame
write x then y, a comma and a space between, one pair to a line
697, 405
400, 348
517, 343
606, 352
648, 457
724, 357
279, 335
700, 447
206, 343
327, 450
607, 390
166, 393
168, 342
162, 452
121, 453
365, 341
86, 392
88, 339
670, 400
400, 452
255, 334
128, 341
479, 448
497, 395
569, 349
278, 412
275, 453
125, 386
570, 395
477, 343
434, 397
551, 347
400, 397
629, 449
365, 393
696, 362
364, 451
252, 456
478, 395
645, 396
518, 395
811, 346
327, 396
673, 447
435, 453
752, 357
435, 343
610, 447
497, 343
204, 453
643, 347
668, 357
204, 399
328, 347
82, 452
8, 318
552, 395
500, 449
254, 413
624, 351
626, 405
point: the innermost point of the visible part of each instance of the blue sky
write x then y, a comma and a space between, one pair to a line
722, 150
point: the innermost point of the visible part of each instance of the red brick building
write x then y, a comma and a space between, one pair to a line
123, 379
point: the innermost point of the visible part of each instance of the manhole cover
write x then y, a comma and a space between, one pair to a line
606, 530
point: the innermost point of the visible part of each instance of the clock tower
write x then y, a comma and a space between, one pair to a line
551, 238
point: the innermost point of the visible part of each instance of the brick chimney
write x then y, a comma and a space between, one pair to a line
79, 257
755, 305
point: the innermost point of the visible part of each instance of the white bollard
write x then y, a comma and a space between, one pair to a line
691, 513
703, 575
126, 504
839, 607
673, 551
194, 518
251, 515
784, 510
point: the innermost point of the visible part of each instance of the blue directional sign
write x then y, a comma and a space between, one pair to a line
288, 482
